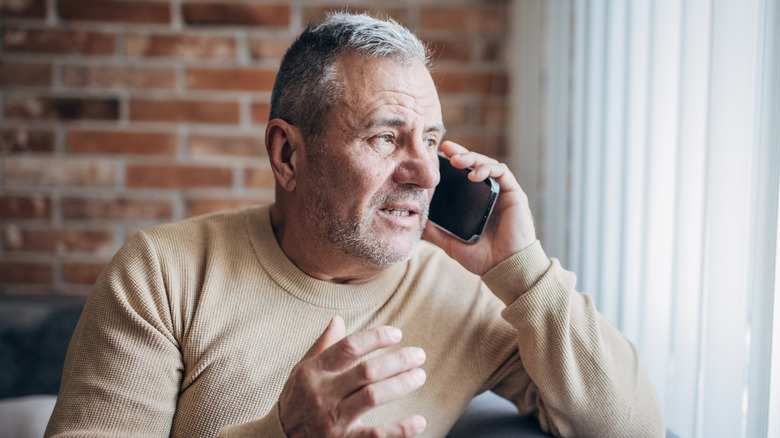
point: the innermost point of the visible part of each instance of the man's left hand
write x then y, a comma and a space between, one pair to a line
510, 228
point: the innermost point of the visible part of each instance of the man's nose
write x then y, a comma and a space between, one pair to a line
419, 166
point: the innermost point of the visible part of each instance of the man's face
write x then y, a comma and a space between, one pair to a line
370, 178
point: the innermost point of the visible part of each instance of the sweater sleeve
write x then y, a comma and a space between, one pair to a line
268, 427
576, 371
124, 365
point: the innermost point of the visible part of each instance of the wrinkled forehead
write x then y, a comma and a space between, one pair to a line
367, 82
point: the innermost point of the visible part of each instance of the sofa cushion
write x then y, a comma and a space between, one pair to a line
489, 415
26, 417
34, 338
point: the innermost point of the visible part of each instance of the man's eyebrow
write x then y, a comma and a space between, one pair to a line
435, 128
396, 122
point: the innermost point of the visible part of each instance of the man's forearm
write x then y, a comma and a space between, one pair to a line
587, 377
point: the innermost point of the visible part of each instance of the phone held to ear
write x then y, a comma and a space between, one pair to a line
460, 206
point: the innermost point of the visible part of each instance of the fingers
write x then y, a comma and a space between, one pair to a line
326, 391
343, 354
483, 166
333, 333
436, 236
379, 368
408, 427
451, 148
381, 392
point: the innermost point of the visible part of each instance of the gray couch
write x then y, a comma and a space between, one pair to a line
34, 337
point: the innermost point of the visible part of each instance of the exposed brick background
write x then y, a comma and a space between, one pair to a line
116, 115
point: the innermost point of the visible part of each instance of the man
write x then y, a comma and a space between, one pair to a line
321, 315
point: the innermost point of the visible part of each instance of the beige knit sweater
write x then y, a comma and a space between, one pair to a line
195, 326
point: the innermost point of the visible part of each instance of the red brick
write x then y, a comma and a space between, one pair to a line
120, 208
80, 272
471, 82
259, 178
25, 207
177, 176
197, 207
314, 14
115, 11
490, 144
459, 50
493, 50
57, 240
58, 41
455, 112
23, 9
261, 112
269, 47
14, 271
494, 115
120, 77
464, 19
243, 146
25, 74
58, 172
44, 290
23, 140
246, 79
181, 46
121, 142
234, 13
178, 110
62, 108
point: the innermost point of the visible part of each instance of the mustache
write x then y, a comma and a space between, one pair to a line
405, 194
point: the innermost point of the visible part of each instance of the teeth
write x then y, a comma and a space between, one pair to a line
397, 212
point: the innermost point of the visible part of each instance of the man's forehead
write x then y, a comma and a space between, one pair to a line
358, 73
383, 91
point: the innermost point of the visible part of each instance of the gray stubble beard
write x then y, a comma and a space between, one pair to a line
354, 236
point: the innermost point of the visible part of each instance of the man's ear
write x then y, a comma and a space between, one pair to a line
282, 141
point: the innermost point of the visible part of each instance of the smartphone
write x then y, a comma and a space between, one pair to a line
460, 206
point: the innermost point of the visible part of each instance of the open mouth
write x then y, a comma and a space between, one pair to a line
397, 212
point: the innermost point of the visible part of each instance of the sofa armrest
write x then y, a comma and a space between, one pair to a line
26, 417
490, 416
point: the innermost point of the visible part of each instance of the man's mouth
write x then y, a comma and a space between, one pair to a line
397, 212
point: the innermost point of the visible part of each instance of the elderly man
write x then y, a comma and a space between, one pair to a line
323, 314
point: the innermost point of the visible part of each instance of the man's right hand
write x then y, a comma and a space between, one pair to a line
326, 393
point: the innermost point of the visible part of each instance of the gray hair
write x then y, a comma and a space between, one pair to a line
305, 88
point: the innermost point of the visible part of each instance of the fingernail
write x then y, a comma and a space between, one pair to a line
395, 334
418, 375
420, 424
419, 355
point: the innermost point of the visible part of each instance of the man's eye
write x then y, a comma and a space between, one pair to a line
383, 144
432, 142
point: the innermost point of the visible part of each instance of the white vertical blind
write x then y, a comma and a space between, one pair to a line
763, 382
660, 145
683, 379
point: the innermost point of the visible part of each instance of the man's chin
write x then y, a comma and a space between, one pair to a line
401, 248
379, 244
392, 249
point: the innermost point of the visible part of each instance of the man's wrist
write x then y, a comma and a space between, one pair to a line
514, 276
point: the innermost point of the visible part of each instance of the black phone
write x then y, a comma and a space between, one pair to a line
460, 206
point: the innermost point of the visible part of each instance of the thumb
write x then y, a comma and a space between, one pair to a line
440, 238
333, 333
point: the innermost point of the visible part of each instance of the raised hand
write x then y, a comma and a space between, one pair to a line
328, 390
510, 228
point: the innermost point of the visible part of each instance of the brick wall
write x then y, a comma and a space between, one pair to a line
116, 115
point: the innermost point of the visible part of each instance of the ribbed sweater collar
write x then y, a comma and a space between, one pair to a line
309, 289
